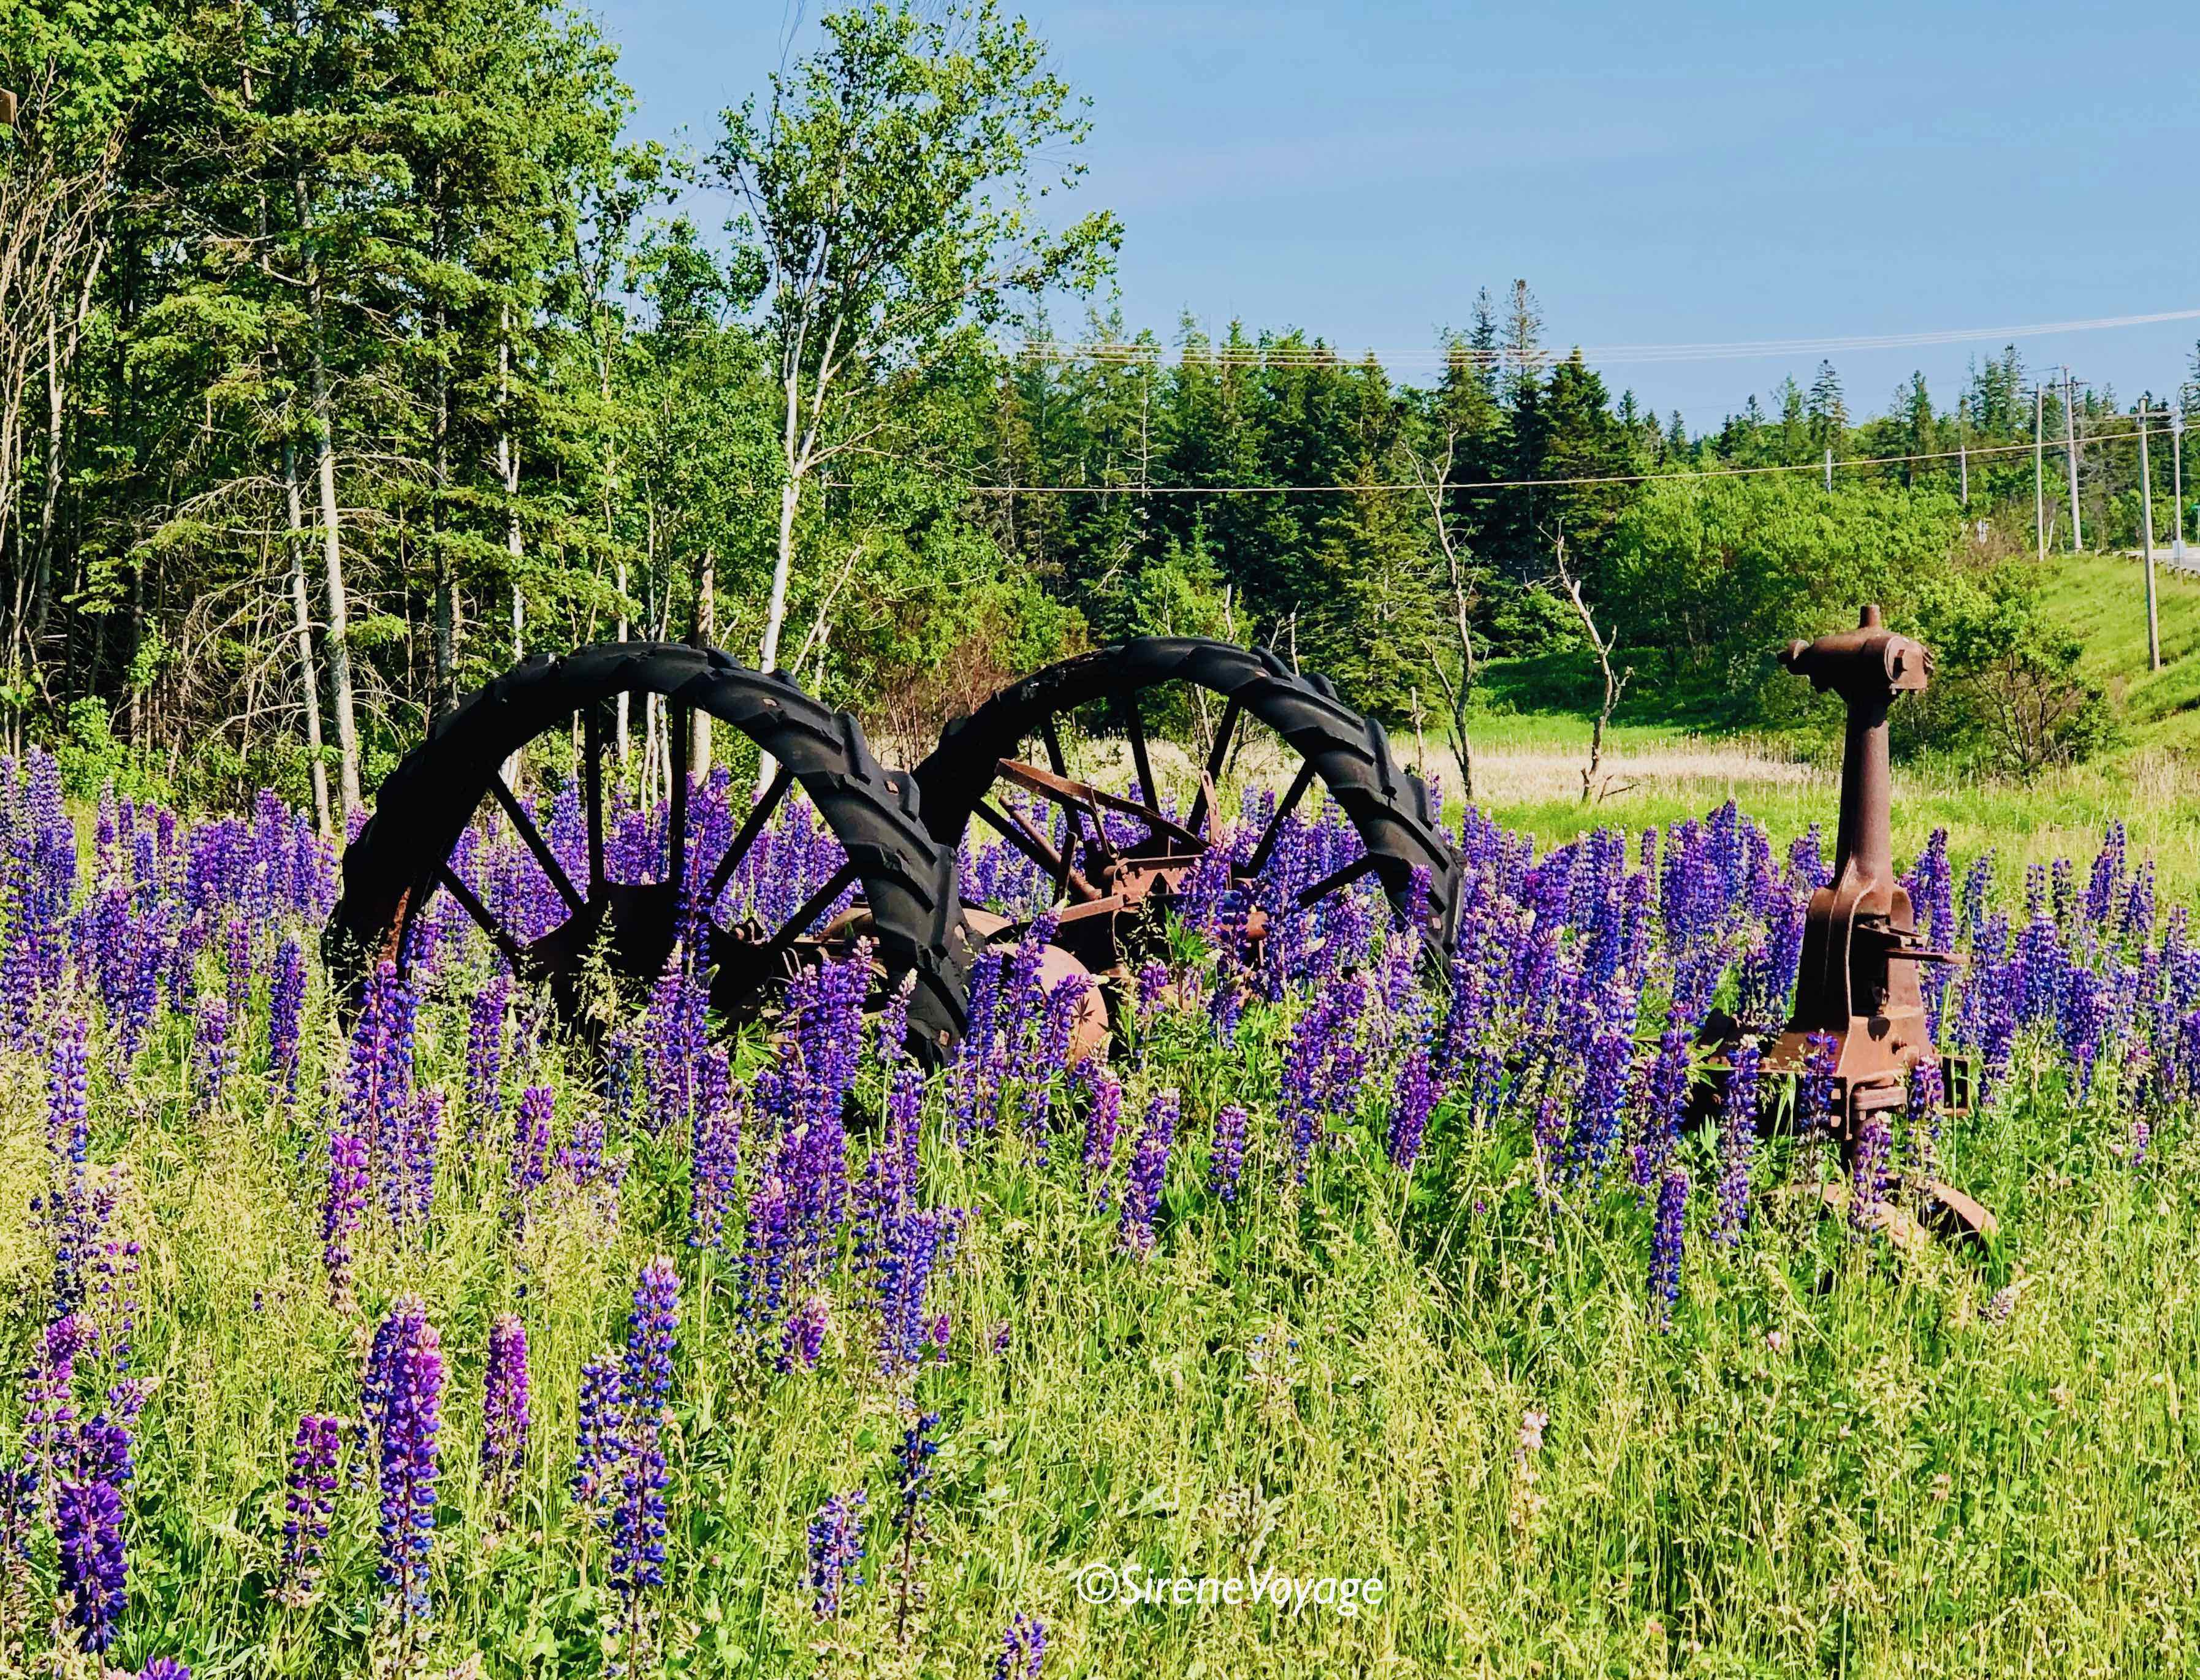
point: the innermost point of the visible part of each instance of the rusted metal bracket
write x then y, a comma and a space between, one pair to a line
1858, 981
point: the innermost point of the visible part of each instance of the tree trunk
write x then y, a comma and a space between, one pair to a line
446, 631
782, 566
625, 716
43, 589
324, 451
508, 462
302, 620
707, 629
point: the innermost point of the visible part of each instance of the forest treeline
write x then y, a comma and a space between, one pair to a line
348, 352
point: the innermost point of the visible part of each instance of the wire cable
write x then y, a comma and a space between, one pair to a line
1319, 354
1849, 463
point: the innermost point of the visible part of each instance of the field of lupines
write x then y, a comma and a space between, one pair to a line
425, 1338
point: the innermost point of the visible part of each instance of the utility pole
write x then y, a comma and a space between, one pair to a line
1830, 468
2070, 449
1963, 449
2146, 535
2039, 470
2177, 478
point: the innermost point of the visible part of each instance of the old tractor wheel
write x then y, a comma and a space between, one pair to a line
906, 877
1100, 884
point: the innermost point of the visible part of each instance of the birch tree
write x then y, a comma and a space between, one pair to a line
889, 184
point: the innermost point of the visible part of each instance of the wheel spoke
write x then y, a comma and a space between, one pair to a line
592, 772
678, 732
809, 910
401, 933
1230, 714
1028, 840
474, 907
1336, 880
1083, 799
1273, 831
1136, 724
515, 814
752, 826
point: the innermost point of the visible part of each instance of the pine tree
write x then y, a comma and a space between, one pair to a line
1829, 411
1523, 327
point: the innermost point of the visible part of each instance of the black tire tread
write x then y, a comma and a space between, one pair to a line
908, 879
1351, 754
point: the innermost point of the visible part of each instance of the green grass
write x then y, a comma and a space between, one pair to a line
2101, 598
1836, 1462
1544, 707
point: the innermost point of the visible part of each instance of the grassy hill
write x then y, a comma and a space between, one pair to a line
2102, 597
1667, 763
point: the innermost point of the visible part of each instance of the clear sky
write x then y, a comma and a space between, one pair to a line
1687, 172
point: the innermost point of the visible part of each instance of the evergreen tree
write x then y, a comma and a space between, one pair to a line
1829, 411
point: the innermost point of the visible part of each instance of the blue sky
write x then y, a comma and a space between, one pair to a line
1689, 174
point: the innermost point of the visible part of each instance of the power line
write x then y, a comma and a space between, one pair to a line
1848, 463
1319, 354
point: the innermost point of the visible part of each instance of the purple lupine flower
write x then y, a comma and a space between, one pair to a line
1226, 1163
309, 1499
504, 1403
713, 1168
116, 1298
342, 1207
1103, 1114
913, 1459
1928, 1093
894, 1021
530, 1140
423, 1135
915, 1243
1665, 1247
1664, 1104
677, 1036
1059, 1019
69, 1145
210, 1053
1023, 1649
94, 1571
378, 1089
804, 1338
1153, 982
1320, 1068
766, 1247
2141, 1135
164, 1668
1141, 1189
581, 1156
1874, 1143
1413, 1098
406, 1412
1737, 1139
972, 1076
1604, 1083
1817, 1092
286, 1005
599, 1441
50, 1416
237, 967
836, 1552
485, 1035
638, 1520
